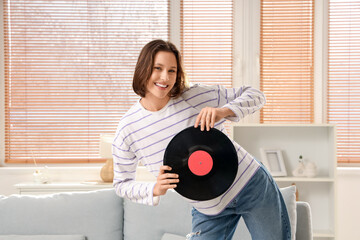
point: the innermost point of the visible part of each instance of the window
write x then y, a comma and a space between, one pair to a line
207, 40
68, 73
343, 100
286, 61
69, 66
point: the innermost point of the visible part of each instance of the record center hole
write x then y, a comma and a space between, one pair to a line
200, 163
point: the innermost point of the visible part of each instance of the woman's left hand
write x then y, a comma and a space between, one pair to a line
208, 116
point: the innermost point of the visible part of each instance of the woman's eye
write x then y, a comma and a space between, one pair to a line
157, 68
172, 71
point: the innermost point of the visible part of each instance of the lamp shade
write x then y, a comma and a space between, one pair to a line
105, 145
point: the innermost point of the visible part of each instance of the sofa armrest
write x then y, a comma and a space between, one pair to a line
304, 222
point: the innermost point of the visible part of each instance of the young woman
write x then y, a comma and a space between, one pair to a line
167, 105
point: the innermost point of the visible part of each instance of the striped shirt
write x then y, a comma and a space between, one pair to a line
143, 136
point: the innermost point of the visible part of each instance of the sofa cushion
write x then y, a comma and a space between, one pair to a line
172, 215
97, 214
289, 195
42, 237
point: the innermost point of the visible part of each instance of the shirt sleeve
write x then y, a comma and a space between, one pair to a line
125, 165
242, 101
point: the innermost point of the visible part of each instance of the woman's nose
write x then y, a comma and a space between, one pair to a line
164, 76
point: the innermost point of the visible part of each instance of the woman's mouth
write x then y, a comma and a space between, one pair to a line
161, 85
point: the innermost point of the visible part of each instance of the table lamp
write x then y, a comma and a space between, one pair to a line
107, 171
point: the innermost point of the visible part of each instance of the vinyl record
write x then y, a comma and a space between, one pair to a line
206, 162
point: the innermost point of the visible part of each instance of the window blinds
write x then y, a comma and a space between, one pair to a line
206, 40
344, 77
286, 60
68, 73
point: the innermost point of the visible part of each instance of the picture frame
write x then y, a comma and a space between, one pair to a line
274, 162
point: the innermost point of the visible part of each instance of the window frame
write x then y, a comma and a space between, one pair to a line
246, 65
2, 91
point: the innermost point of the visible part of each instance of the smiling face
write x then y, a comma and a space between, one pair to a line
161, 81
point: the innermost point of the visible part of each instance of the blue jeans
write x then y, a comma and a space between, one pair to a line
261, 205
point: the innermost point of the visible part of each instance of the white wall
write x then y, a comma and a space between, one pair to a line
348, 190
348, 203
9, 176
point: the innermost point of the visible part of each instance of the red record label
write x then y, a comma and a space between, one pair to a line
200, 163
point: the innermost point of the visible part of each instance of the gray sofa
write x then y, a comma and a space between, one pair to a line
102, 215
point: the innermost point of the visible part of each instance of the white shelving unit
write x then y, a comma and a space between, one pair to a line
316, 143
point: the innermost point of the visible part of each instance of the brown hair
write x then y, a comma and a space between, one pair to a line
145, 63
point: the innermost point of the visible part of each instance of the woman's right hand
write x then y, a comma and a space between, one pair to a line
165, 181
